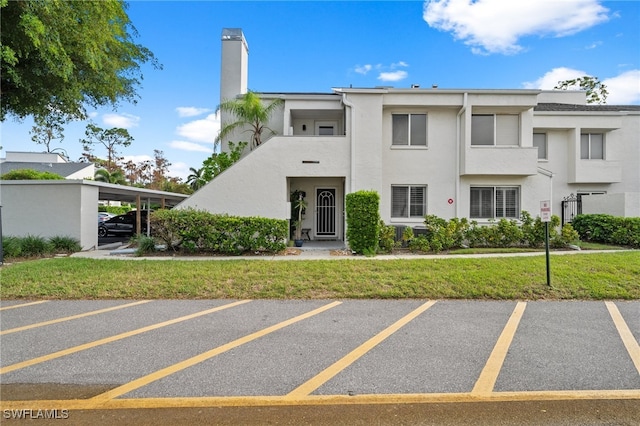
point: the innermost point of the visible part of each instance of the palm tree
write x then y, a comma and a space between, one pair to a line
250, 112
196, 179
103, 175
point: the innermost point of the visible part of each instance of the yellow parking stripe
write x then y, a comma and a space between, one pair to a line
329, 372
145, 380
627, 337
106, 340
23, 305
86, 314
489, 374
319, 400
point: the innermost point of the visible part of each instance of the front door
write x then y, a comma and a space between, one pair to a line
326, 212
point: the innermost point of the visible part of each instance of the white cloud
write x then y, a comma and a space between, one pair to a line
623, 89
191, 111
553, 77
126, 121
392, 76
204, 130
179, 170
137, 158
364, 69
399, 64
495, 26
190, 146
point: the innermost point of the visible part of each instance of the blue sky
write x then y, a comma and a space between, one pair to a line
300, 46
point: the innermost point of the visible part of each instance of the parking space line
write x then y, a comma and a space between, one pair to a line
626, 335
489, 374
72, 317
145, 380
120, 336
23, 305
329, 372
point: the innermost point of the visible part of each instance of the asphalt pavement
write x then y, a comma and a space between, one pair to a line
84, 356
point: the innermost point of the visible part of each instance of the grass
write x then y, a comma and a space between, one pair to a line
587, 276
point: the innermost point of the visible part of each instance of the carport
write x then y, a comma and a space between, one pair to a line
68, 207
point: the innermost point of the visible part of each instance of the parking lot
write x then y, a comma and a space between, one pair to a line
83, 355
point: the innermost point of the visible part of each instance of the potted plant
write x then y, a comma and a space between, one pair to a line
299, 205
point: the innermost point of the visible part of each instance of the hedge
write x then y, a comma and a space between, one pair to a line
607, 229
363, 221
198, 231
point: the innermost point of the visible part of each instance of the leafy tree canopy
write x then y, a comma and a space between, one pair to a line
596, 91
67, 54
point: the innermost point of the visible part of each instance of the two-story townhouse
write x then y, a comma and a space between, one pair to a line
481, 154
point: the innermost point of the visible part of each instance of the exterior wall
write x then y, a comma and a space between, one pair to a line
34, 157
257, 184
48, 209
618, 173
86, 173
626, 204
310, 185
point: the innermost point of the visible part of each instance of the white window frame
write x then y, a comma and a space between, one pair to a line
409, 206
497, 211
325, 125
409, 131
498, 139
545, 145
589, 155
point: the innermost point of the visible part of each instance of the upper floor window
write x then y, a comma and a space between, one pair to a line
409, 129
592, 146
540, 142
408, 201
495, 202
495, 129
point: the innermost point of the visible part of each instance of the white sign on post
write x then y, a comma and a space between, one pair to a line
545, 210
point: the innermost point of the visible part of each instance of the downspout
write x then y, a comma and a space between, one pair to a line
352, 134
352, 172
457, 159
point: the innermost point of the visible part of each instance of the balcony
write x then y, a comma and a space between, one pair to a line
513, 161
595, 171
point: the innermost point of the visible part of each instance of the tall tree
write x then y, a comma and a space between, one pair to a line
111, 139
47, 129
596, 91
249, 112
67, 54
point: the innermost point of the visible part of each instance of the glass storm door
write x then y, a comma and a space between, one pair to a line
326, 212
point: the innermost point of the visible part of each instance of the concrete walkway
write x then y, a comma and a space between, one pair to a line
312, 250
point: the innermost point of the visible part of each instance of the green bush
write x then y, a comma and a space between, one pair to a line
386, 242
35, 246
30, 174
117, 210
145, 245
607, 229
11, 246
60, 244
363, 221
420, 244
200, 231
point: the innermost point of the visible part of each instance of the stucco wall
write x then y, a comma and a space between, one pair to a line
625, 204
48, 209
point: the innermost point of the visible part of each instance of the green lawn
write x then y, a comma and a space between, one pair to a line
577, 276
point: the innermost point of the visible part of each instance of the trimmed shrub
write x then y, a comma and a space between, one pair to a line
363, 221
200, 231
607, 229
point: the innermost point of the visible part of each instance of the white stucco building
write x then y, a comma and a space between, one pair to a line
481, 154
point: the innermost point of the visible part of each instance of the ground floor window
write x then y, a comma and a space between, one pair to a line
488, 202
408, 201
